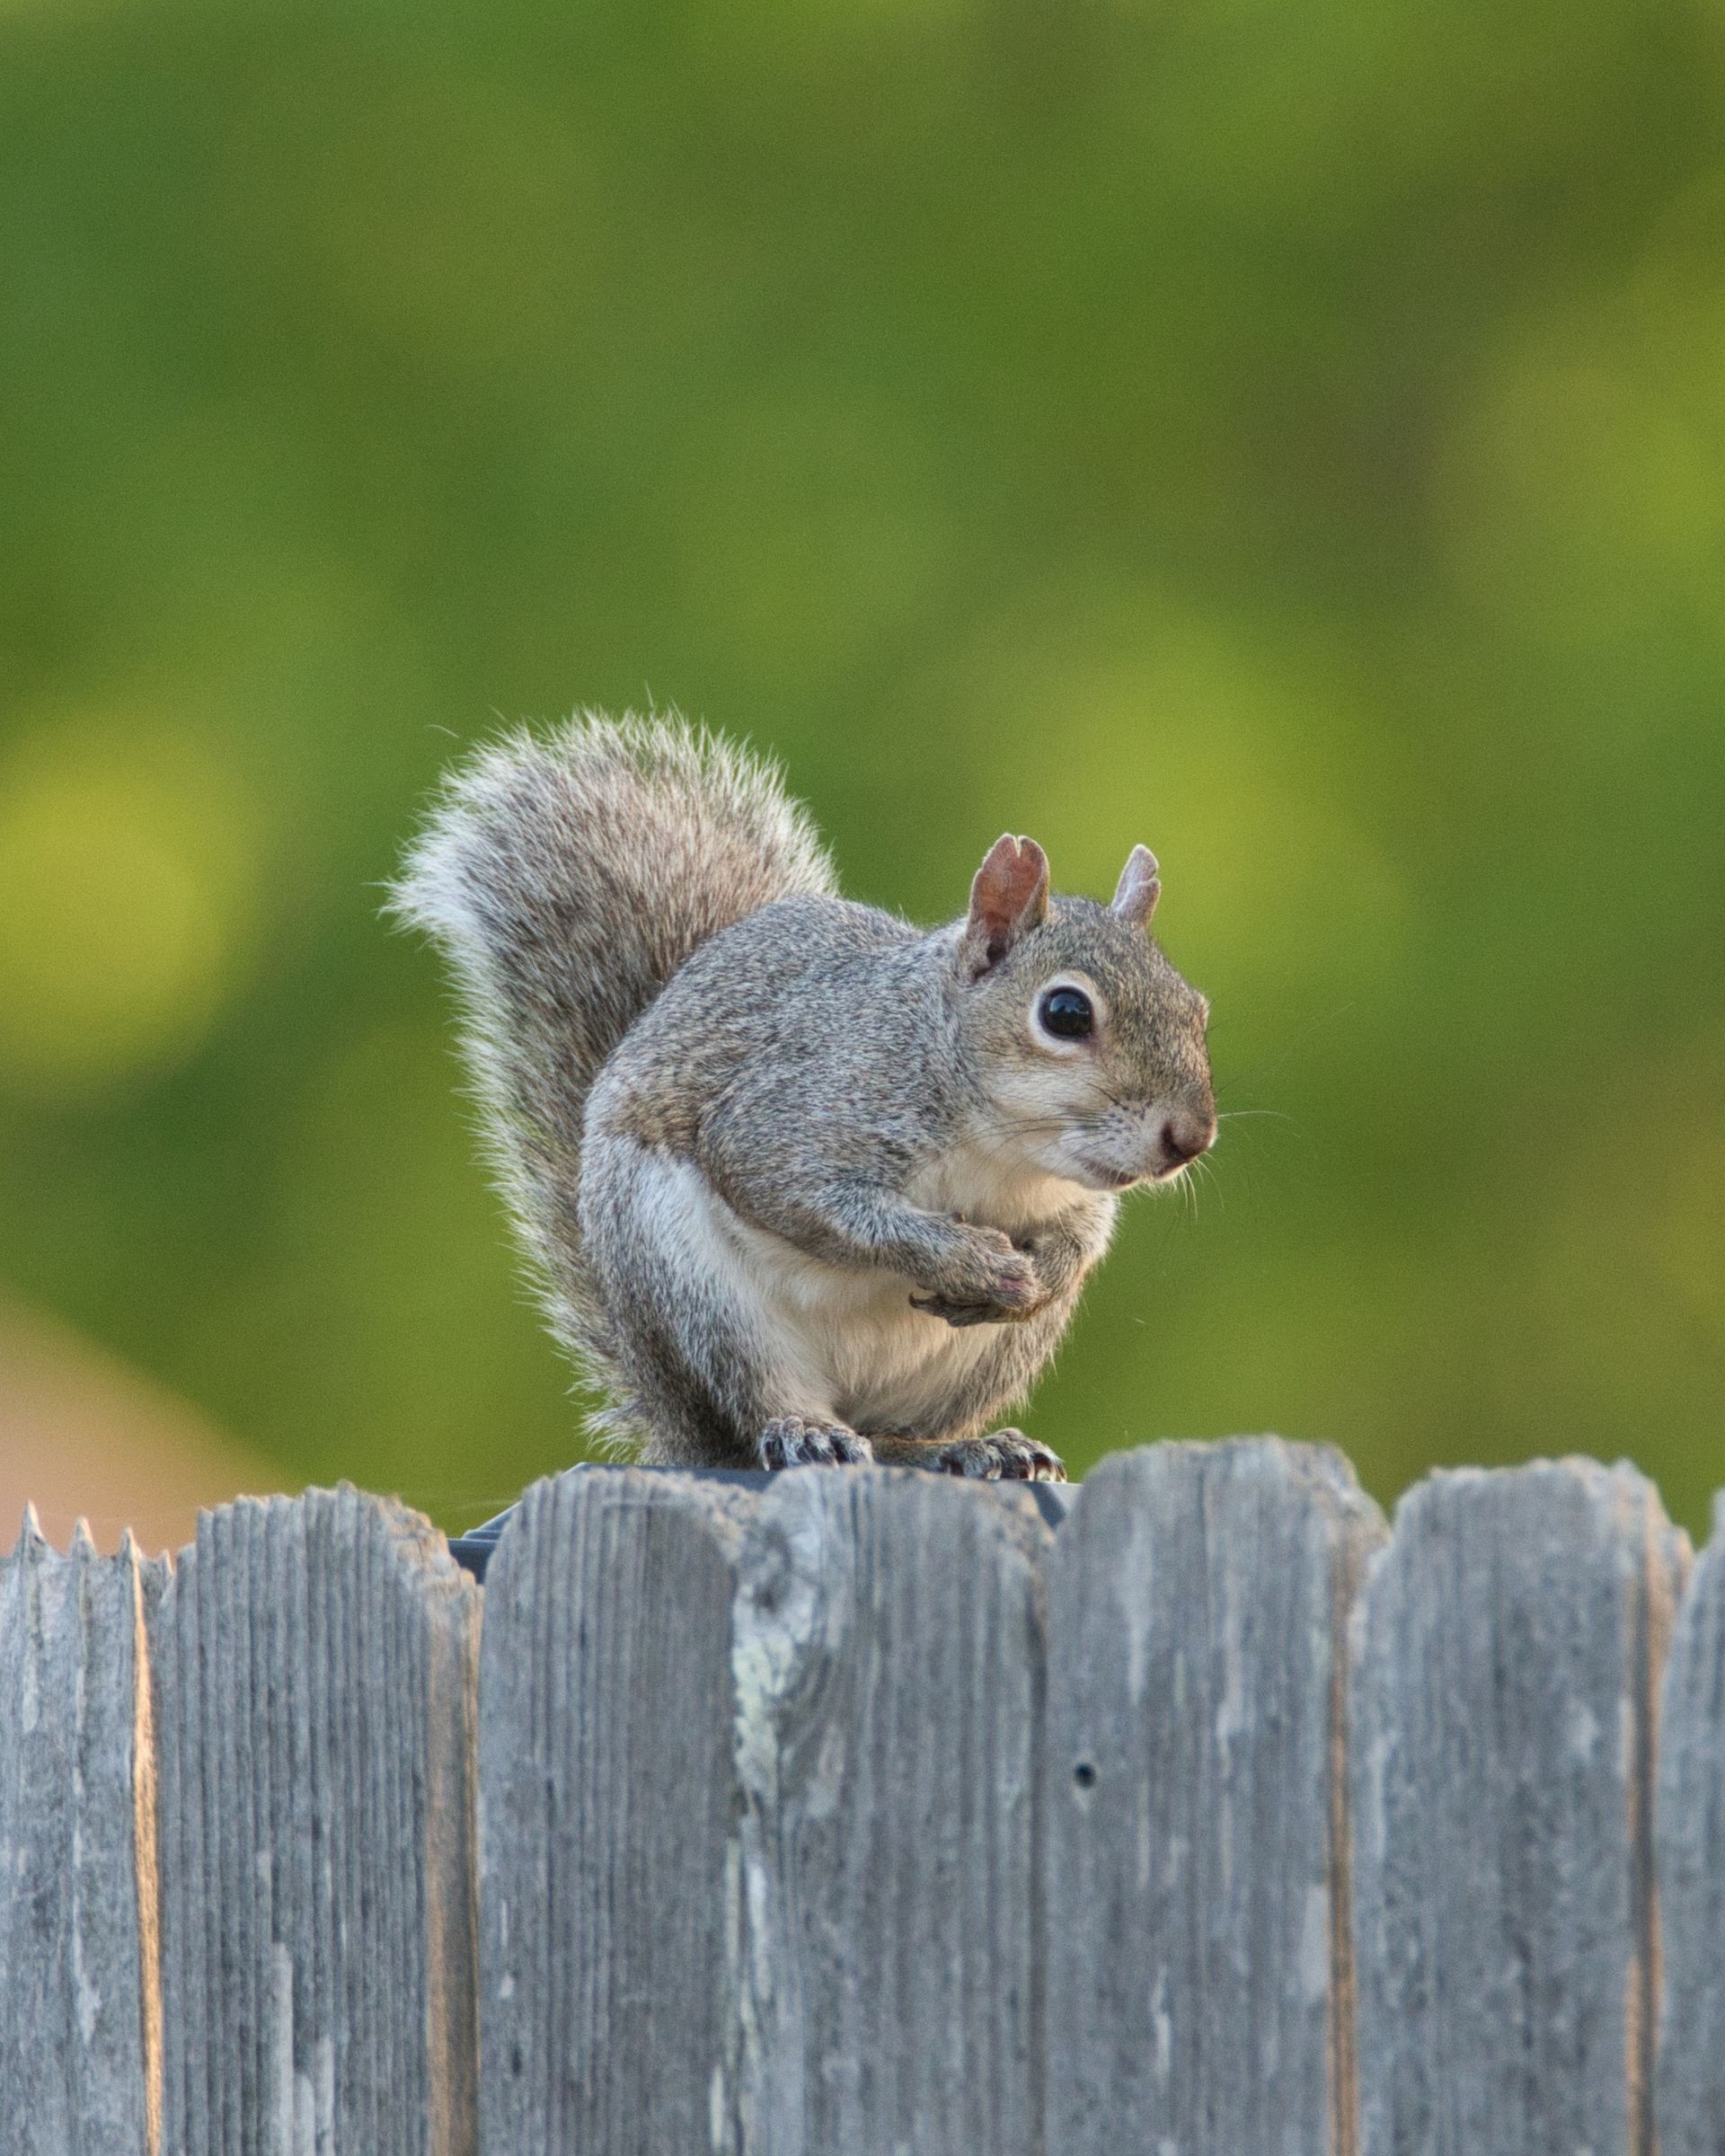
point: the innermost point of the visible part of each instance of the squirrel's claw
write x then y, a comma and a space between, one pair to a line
790, 1441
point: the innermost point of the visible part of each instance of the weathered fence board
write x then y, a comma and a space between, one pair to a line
609, 1817
864, 1812
1689, 1845
1508, 1650
314, 1668
1196, 1826
79, 2026
756, 1790
886, 1649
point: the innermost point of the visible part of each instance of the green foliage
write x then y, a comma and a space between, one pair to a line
1290, 436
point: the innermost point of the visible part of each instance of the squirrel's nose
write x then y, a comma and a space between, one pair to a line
1184, 1136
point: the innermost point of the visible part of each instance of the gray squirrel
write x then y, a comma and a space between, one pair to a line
801, 1184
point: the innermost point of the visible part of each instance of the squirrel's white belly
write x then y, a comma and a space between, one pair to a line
988, 1184
845, 1344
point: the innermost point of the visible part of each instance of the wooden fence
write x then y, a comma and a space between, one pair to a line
869, 1814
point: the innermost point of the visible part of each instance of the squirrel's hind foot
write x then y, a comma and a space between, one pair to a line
1007, 1456
790, 1441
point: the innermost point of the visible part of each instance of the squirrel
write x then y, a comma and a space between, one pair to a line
800, 1184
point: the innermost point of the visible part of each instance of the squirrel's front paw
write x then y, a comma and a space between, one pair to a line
790, 1441
1008, 1456
958, 1312
985, 1280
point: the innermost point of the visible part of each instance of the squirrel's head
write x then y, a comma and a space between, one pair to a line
1090, 1045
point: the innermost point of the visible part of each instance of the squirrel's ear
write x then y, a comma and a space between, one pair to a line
1008, 899
1139, 887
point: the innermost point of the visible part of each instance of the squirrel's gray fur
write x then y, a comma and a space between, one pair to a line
801, 1183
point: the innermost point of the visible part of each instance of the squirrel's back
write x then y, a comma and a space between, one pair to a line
566, 879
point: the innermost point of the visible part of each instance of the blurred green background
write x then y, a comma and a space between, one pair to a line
1292, 435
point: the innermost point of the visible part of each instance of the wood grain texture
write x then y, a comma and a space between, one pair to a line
856, 1813
79, 2029
887, 1655
314, 1665
609, 1809
1198, 1959
1689, 1847
1508, 1651
756, 1802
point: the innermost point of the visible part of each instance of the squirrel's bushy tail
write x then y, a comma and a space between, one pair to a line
566, 879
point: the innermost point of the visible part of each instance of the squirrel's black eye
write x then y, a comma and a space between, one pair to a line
1066, 1014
